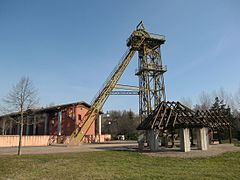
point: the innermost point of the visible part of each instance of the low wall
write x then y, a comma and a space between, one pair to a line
103, 138
13, 140
86, 139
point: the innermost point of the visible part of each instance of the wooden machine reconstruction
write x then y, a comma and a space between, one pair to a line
174, 115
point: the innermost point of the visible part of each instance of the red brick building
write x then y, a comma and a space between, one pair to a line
57, 121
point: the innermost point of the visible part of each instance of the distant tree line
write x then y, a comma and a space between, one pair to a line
220, 99
121, 123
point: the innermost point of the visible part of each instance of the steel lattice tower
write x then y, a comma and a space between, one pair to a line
150, 72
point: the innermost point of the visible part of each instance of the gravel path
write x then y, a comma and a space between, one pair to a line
213, 150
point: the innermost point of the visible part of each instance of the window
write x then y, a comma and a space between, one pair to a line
79, 117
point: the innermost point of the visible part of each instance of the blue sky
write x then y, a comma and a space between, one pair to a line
68, 48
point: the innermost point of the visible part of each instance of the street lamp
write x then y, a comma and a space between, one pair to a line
109, 124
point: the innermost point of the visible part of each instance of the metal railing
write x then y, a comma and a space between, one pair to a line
157, 36
151, 67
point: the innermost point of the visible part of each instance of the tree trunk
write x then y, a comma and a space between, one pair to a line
20, 135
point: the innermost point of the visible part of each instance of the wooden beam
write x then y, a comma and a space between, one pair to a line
155, 118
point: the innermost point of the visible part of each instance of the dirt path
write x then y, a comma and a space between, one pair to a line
213, 150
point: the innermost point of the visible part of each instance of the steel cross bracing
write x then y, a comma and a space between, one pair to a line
125, 90
125, 93
150, 72
139, 36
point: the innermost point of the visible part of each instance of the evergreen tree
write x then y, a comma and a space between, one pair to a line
216, 104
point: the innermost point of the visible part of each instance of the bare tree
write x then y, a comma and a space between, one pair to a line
187, 102
205, 101
6, 122
22, 97
237, 99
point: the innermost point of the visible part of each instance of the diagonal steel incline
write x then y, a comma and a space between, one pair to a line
108, 86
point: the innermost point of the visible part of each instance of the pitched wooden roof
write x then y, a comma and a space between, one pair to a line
174, 115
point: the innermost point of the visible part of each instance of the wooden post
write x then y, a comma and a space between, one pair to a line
230, 135
219, 136
45, 124
10, 127
191, 136
27, 125
34, 124
173, 139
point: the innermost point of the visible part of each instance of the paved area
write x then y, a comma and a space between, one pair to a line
113, 145
213, 150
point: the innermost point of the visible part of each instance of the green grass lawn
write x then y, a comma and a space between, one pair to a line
118, 165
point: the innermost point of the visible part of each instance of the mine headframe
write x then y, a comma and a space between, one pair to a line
150, 69
148, 46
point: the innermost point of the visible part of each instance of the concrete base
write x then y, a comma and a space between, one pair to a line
202, 139
141, 142
153, 140
185, 140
